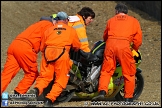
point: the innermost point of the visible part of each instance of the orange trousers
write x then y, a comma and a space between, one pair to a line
20, 55
61, 69
118, 50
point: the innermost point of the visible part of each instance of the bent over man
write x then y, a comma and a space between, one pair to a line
55, 48
22, 53
121, 30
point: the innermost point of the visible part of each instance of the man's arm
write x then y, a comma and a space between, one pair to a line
137, 40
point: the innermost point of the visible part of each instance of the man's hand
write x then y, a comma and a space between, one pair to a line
54, 22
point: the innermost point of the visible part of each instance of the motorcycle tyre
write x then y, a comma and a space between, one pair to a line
138, 89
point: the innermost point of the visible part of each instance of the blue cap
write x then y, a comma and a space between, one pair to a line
62, 15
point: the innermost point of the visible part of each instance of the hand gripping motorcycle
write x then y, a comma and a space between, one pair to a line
85, 72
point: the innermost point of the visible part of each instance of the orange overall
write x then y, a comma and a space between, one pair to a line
120, 31
56, 39
22, 53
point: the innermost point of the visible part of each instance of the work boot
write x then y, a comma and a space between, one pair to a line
15, 92
47, 103
128, 99
101, 95
34, 91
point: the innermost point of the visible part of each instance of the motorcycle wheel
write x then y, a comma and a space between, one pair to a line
138, 88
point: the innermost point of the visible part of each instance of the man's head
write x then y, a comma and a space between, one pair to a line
62, 16
87, 14
121, 8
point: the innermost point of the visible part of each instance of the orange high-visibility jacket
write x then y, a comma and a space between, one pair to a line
80, 28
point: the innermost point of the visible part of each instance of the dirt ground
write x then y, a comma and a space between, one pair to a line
18, 15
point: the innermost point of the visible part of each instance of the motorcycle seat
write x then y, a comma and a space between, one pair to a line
88, 56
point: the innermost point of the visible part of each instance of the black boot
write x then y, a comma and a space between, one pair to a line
101, 95
47, 103
128, 99
34, 91
15, 92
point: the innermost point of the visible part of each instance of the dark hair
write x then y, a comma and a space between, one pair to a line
121, 8
86, 12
